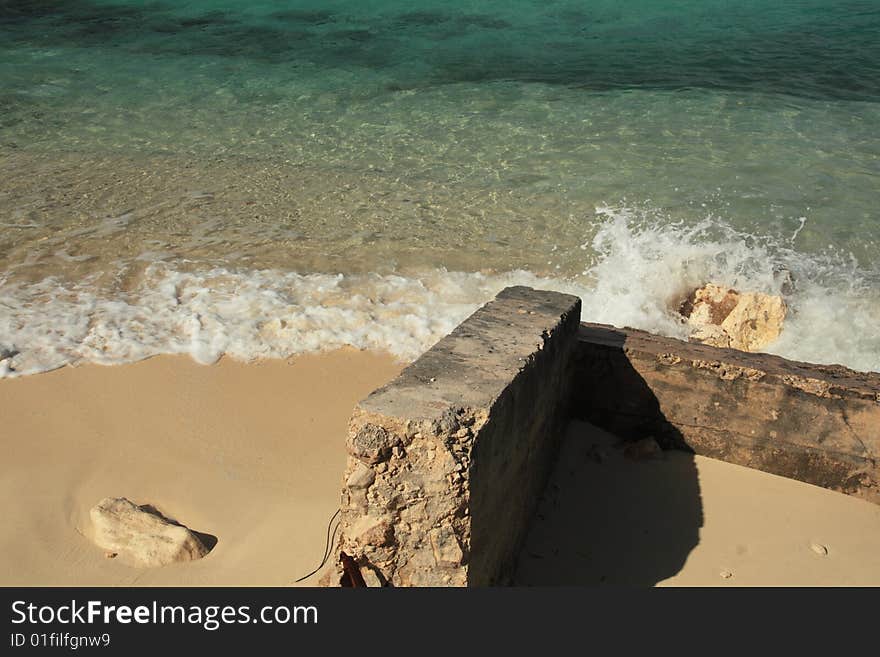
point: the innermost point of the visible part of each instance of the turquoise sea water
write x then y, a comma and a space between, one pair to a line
263, 178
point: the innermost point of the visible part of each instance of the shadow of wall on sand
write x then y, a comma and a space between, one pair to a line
612, 515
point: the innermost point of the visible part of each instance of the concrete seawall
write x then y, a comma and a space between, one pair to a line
448, 461
814, 423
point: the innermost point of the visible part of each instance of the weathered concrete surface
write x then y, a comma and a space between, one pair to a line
815, 423
447, 462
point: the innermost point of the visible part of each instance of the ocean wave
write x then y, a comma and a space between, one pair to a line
636, 270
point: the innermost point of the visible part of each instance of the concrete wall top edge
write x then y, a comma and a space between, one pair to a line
821, 380
471, 367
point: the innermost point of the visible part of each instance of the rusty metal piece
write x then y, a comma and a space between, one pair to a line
352, 576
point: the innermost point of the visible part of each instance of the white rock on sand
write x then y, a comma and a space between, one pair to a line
723, 317
141, 536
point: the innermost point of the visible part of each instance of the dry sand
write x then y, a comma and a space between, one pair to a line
684, 520
254, 455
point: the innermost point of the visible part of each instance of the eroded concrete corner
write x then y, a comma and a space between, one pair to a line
447, 462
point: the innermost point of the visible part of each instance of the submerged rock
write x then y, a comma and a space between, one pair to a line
723, 317
142, 536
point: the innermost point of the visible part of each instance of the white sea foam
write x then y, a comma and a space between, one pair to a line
245, 315
639, 269
645, 267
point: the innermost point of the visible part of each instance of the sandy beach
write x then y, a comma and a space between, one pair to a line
685, 520
253, 454
250, 453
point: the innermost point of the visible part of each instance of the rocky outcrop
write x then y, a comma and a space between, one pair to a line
723, 317
141, 536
